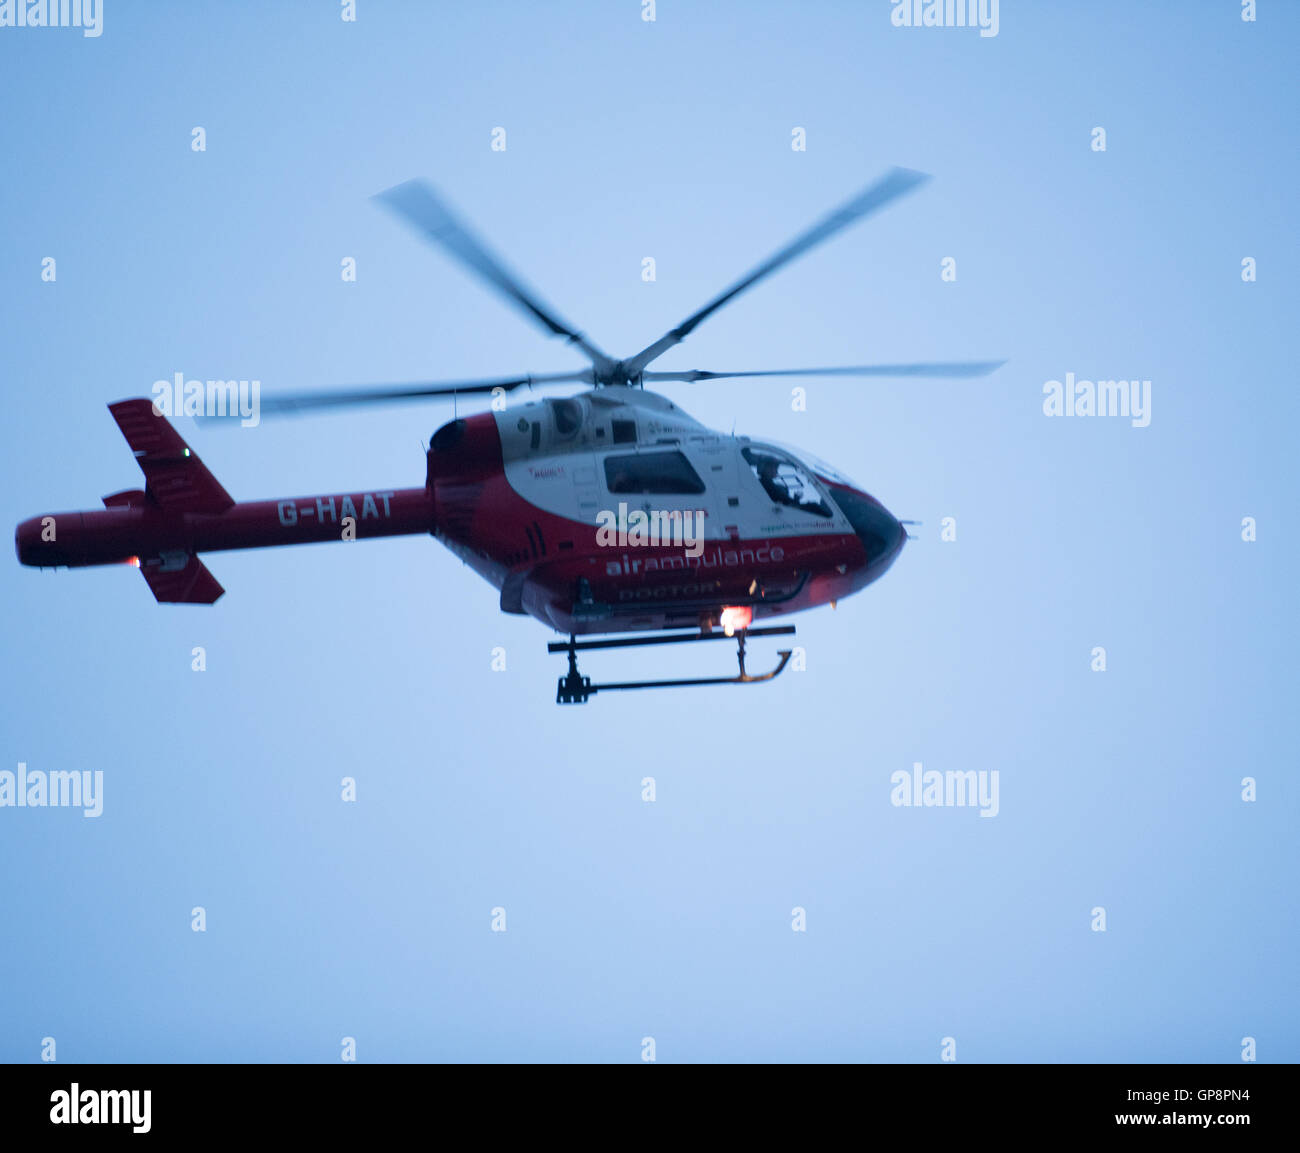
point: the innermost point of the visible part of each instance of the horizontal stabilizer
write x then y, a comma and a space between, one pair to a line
175, 478
127, 498
190, 584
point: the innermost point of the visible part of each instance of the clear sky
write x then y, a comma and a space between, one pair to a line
671, 919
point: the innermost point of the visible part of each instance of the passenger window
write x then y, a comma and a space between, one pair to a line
663, 473
568, 417
785, 482
624, 431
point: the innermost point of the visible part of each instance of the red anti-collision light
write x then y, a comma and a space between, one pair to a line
736, 617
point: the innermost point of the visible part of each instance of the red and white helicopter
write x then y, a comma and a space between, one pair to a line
607, 512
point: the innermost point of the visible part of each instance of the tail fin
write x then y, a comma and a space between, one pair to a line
176, 481
182, 579
175, 478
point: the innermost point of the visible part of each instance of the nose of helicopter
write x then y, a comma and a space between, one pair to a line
880, 532
881, 535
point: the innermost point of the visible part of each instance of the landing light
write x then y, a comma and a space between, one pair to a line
736, 617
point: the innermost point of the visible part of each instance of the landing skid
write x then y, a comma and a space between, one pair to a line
575, 689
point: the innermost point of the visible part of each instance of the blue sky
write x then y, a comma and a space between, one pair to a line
669, 919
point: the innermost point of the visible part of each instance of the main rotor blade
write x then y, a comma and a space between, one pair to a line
961, 368
294, 403
420, 206
897, 182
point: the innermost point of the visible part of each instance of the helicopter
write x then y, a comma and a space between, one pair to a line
600, 514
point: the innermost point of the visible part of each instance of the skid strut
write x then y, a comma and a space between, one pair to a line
575, 689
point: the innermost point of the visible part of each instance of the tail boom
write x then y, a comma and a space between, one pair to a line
183, 511
139, 529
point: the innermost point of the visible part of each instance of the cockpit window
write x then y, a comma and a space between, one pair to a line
816, 465
786, 482
668, 473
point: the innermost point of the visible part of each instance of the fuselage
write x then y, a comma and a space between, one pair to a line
553, 523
